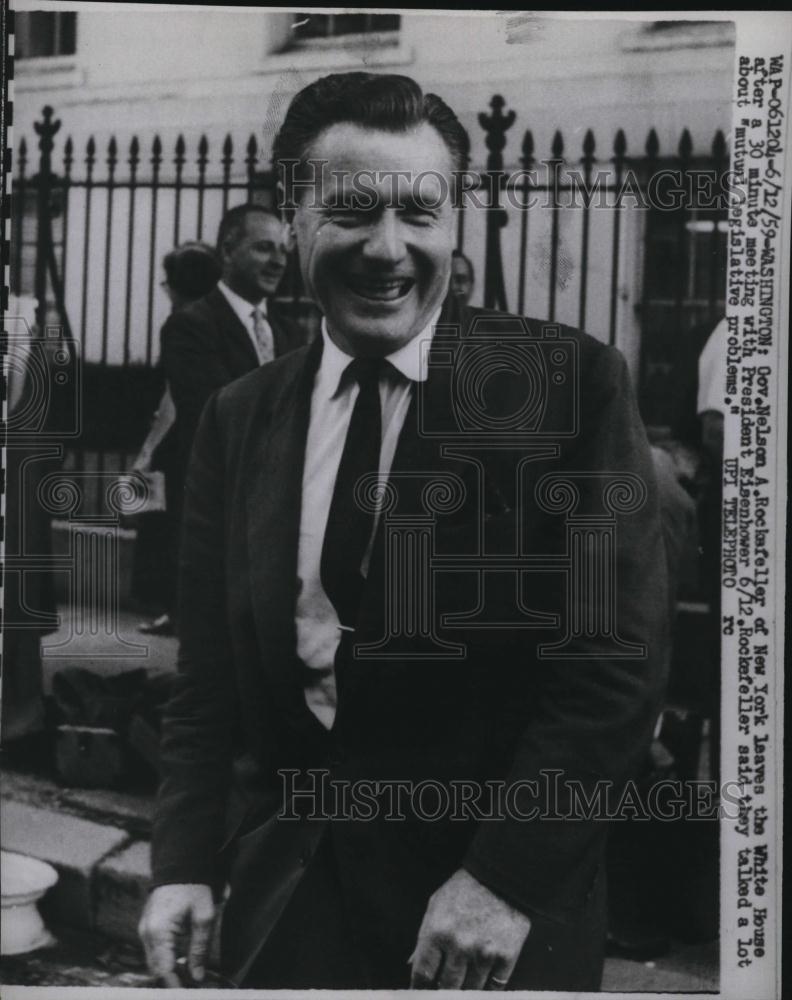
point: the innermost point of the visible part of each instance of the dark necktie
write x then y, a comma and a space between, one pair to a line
349, 527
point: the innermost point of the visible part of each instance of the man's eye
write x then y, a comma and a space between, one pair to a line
418, 215
348, 217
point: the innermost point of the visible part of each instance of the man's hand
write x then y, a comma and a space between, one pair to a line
470, 938
176, 913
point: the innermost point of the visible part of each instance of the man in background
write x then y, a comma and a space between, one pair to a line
237, 326
462, 277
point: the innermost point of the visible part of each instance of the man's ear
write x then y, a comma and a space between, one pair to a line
224, 251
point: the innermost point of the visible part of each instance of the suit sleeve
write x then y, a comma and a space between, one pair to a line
200, 720
194, 367
593, 716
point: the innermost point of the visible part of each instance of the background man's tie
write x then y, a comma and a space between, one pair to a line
262, 331
348, 526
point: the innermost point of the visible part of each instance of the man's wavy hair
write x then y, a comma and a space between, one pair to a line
389, 102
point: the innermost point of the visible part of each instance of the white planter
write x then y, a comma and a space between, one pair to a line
23, 882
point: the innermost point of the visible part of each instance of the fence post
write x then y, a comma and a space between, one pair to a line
685, 151
719, 158
46, 131
556, 162
495, 126
461, 208
619, 158
652, 150
588, 162
19, 216
527, 160
45, 247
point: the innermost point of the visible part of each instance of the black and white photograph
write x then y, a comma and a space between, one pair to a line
394, 452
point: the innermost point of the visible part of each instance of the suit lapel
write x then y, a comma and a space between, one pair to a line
429, 431
426, 464
273, 519
235, 336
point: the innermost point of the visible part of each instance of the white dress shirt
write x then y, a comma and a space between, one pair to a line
712, 371
332, 402
244, 311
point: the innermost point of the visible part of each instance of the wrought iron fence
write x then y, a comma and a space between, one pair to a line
556, 237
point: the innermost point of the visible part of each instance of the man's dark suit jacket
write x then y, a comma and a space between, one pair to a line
499, 712
205, 346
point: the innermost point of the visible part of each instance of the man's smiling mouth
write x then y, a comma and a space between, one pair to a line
380, 289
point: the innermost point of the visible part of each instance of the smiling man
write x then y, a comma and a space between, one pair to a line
379, 292
357, 675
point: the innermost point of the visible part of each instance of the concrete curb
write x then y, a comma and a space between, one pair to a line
104, 870
83, 854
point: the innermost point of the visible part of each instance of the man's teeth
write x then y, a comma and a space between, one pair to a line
392, 288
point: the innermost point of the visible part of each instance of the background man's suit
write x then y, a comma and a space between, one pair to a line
205, 346
498, 713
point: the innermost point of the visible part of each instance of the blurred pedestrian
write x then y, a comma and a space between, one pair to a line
191, 271
462, 276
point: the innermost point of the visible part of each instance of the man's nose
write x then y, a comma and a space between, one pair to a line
384, 240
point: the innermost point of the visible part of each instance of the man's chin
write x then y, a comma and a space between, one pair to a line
373, 334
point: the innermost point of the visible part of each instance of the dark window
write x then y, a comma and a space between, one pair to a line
670, 27
39, 33
308, 26
684, 297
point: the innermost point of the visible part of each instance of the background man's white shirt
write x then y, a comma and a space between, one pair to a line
244, 311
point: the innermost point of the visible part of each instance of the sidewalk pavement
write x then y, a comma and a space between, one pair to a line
98, 840
95, 642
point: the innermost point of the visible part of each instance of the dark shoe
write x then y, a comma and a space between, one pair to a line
160, 626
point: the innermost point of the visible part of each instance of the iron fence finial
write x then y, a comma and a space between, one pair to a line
496, 126
588, 147
685, 145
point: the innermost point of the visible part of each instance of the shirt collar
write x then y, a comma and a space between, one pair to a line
241, 306
409, 360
